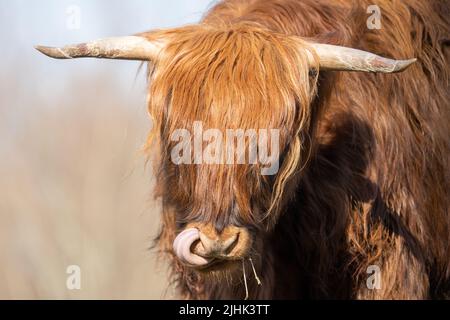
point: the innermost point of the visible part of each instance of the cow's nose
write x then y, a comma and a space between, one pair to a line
216, 245
199, 244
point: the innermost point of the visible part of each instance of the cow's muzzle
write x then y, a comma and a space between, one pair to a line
200, 245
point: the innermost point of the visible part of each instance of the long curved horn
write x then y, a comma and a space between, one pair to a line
126, 48
348, 59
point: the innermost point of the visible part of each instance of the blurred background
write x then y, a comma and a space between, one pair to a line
74, 186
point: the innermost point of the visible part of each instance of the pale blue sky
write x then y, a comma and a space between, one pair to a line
26, 76
25, 23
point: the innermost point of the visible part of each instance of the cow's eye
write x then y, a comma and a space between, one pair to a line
313, 73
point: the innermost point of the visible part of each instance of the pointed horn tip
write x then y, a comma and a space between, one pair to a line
52, 52
404, 64
41, 49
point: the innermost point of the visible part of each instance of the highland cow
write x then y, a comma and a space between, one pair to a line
364, 156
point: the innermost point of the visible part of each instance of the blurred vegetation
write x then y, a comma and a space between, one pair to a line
75, 190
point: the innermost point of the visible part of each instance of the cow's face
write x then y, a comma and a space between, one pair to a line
231, 111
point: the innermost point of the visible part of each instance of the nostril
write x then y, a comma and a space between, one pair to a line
216, 247
209, 245
228, 243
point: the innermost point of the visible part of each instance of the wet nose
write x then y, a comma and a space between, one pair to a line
200, 244
216, 245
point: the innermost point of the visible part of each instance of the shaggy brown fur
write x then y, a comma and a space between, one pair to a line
365, 170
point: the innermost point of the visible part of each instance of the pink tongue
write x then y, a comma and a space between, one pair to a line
182, 248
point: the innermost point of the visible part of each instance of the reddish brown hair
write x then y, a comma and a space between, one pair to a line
365, 171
